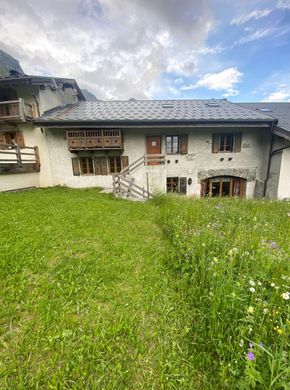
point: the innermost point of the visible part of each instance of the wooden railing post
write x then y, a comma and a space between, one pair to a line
37, 159
18, 156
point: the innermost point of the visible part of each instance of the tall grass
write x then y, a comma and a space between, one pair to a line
231, 258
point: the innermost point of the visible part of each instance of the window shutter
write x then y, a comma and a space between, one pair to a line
183, 144
125, 161
75, 166
2, 140
202, 188
182, 185
100, 164
104, 166
19, 139
215, 143
238, 143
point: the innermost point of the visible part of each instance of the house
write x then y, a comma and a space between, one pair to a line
49, 135
24, 160
278, 178
193, 147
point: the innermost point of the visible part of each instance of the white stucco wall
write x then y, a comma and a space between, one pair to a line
254, 154
284, 181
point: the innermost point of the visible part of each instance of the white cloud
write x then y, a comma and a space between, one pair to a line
222, 81
256, 14
278, 96
115, 48
283, 4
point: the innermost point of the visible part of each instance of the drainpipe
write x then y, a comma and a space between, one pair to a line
271, 154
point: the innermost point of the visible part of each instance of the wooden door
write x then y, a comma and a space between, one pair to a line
153, 146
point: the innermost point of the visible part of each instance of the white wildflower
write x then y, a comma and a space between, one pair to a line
273, 284
252, 283
252, 289
286, 295
265, 311
250, 310
241, 343
259, 283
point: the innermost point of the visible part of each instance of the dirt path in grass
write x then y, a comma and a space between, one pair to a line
87, 301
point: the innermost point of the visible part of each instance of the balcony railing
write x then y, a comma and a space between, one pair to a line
94, 139
14, 159
15, 111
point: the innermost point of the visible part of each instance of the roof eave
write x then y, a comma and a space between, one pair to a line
131, 123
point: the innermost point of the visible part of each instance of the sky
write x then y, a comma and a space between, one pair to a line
155, 49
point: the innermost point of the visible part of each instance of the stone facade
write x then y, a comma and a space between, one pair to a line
199, 163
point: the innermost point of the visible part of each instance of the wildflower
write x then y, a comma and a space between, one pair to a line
250, 310
252, 283
250, 356
251, 345
273, 285
265, 311
278, 330
252, 289
274, 245
259, 284
241, 343
286, 295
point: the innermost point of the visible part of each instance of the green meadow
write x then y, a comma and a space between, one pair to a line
173, 293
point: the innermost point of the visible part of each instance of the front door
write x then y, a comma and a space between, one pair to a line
153, 146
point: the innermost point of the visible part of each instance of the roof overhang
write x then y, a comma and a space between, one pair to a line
281, 132
152, 123
40, 80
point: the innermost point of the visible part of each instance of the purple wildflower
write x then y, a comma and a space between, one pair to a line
274, 245
250, 356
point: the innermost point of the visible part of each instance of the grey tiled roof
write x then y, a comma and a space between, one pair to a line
153, 110
280, 111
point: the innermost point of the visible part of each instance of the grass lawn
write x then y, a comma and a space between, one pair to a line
101, 293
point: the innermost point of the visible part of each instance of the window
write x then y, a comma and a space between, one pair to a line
12, 138
99, 165
115, 164
226, 143
86, 165
223, 186
176, 185
177, 144
172, 144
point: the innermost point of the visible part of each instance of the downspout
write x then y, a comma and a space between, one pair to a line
269, 162
271, 154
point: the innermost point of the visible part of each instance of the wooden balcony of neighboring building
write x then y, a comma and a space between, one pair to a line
15, 111
94, 140
14, 159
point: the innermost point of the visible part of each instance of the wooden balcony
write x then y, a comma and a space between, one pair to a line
94, 140
15, 111
14, 159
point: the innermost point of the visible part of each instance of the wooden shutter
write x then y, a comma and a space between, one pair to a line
75, 166
182, 185
215, 143
125, 161
2, 140
202, 188
183, 144
19, 139
101, 166
238, 143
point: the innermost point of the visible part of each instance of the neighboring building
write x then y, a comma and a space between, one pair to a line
24, 160
194, 147
278, 178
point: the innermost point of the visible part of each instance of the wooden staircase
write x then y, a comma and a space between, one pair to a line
125, 187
